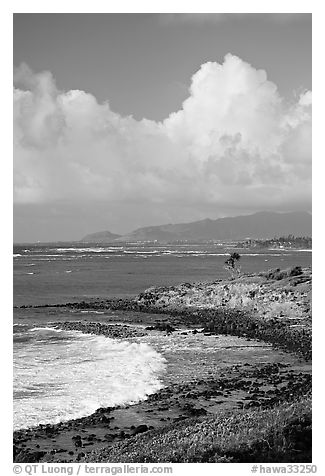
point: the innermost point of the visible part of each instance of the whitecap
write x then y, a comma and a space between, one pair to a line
75, 377
302, 250
45, 329
80, 250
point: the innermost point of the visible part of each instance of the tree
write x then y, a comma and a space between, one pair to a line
231, 264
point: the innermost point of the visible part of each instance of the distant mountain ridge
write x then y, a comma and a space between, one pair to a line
100, 237
260, 225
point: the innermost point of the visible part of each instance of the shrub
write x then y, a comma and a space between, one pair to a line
279, 434
296, 271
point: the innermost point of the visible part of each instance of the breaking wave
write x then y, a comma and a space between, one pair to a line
62, 375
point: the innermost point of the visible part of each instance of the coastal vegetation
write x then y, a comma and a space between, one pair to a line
286, 242
281, 434
231, 264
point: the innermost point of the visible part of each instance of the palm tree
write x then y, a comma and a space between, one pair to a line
232, 265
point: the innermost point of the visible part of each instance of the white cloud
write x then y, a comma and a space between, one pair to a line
235, 141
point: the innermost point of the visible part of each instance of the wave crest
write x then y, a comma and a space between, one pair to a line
76, 377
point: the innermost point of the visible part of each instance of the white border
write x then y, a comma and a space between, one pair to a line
167, 6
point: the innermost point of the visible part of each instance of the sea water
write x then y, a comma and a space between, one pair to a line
61, 375
57, 273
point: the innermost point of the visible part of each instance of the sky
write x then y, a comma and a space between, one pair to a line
129, 120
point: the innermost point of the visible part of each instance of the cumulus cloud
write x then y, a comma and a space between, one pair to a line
235, 142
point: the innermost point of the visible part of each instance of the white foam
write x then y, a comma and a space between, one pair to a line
99, 249
45, 329
70, 379
194, 252
92, 312
306, 251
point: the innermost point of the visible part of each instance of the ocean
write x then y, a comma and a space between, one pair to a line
57, 273
59, 374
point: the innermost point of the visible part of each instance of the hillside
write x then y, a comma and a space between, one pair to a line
100, 237
259, 225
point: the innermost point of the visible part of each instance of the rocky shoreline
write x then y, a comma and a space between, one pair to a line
270, 308
273, 306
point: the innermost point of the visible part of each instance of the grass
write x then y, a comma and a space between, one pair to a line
280, 434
